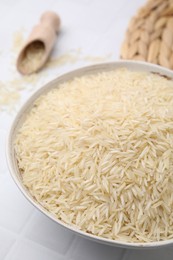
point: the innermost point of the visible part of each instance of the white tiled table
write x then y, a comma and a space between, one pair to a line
97, 27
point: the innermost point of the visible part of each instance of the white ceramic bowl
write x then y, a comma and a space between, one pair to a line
12, 163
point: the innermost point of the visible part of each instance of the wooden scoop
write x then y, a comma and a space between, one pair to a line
36, 50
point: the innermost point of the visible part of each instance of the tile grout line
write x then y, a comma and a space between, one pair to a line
13, 233
35, 242
124, 254
20, 235
72, 245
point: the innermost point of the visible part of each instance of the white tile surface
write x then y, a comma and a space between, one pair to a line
2, 151
6, 241
24, 249
85, 249
16, 209
151, 254
97, 27
47, 233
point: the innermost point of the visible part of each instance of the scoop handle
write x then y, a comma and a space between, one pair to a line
51, 19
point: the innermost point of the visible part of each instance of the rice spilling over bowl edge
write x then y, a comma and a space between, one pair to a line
97, 152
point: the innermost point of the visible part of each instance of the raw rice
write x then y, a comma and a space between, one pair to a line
33, 57
97, 153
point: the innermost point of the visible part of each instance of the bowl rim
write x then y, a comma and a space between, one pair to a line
10, 155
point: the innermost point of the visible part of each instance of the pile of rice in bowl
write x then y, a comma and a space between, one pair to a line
97, 152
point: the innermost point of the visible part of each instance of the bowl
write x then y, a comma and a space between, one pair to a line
12, 162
